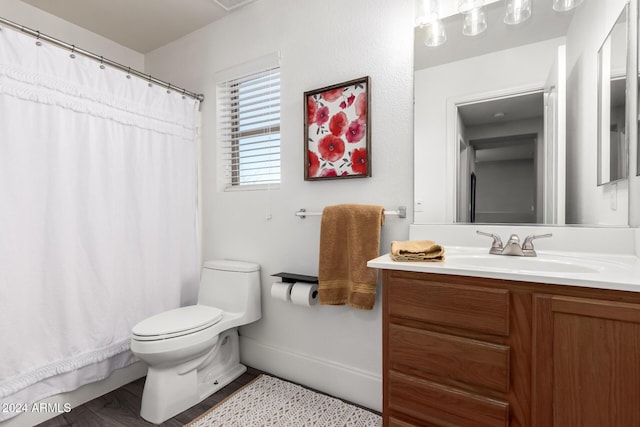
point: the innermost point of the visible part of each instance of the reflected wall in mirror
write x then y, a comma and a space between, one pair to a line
613, 151
504, 62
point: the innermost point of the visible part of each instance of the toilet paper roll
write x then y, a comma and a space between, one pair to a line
304, 294
281, 291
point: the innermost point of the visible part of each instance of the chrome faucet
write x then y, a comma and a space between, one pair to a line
513, 247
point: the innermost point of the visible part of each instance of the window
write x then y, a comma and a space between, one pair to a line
249, 129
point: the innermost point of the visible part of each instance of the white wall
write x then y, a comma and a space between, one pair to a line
38, 20
334, 349
435, 87
588, 203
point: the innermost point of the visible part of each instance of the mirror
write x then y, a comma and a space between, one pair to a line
549, 55
612, 82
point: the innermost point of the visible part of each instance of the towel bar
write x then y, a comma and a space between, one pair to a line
401, 212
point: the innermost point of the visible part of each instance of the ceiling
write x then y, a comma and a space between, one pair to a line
543, 24
504, 109
141, 25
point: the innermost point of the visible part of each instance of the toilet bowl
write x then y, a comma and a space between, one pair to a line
194, 351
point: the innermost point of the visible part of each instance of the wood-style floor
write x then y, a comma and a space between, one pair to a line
121, 407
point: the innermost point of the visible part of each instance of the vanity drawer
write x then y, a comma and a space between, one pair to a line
395, 422
468, 307
438, 404
466, 360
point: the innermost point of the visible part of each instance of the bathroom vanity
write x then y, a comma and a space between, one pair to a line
467, 342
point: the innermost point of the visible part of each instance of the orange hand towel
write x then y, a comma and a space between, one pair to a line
349, 237
417, 250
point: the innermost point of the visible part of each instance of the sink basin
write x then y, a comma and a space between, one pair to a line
521, 264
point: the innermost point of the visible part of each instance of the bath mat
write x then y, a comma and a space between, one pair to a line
269, 401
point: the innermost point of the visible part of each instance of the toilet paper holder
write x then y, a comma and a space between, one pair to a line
293, 277
300, 289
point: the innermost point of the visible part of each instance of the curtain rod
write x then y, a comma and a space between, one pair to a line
39, 36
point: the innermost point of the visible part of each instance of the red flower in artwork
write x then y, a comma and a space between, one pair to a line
338, 123
356, 131
348, 102
332, 95
322, 115
361, 106
359, 160
311, 110
314, 163
350, 99
328, 172
331, 148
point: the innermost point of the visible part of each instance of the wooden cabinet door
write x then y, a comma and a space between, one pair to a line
586, 362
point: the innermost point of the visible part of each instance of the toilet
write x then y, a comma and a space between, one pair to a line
193, 351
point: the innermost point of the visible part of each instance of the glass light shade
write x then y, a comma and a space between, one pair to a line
465, 6
474, 22
426, 12
564, 5
518, 11
435, 34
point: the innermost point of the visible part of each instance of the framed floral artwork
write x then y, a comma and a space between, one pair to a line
337, 131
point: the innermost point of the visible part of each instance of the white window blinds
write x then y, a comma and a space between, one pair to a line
249, 129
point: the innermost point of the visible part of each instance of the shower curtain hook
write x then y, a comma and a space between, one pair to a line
169, 88
101, 62
184, 91
38, 42
150, 84
129, 73
73, 49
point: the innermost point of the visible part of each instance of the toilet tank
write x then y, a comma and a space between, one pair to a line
232, 286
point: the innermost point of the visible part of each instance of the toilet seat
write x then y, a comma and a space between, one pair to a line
176, 323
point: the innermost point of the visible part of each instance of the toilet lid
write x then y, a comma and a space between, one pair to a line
179, 321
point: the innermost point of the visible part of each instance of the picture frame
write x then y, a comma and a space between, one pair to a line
337, 131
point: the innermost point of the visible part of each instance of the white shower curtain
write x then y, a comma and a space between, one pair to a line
98, 215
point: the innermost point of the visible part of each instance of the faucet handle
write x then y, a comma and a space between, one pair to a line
528, 241
496, 246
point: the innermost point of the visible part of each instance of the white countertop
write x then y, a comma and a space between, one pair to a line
604, 271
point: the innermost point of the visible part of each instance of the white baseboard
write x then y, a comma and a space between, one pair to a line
75, 398
342, 381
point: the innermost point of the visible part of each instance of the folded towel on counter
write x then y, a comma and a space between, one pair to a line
349, 237
417, 250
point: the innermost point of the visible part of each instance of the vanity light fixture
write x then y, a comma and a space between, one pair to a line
427, 16
518, 11
474, 17
564, 5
